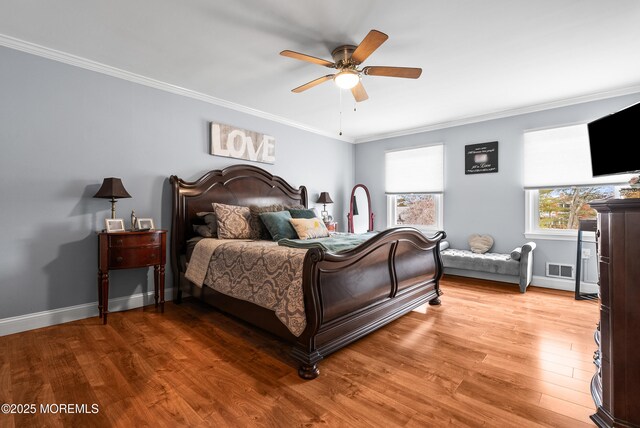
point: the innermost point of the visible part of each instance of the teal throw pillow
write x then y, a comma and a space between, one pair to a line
278, 225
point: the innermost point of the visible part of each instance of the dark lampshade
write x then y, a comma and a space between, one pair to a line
354, 204
112, 188
324, 198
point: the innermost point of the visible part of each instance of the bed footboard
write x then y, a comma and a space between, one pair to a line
351, 294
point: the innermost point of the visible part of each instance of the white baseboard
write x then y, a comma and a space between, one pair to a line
536, 281
88, 310
563, 284
73, 313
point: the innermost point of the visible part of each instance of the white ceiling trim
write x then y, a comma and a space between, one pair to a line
88, 64
502, 114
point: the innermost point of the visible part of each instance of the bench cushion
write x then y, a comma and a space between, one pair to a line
487, 262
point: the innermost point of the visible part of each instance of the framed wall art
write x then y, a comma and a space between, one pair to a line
229, 141
481, 158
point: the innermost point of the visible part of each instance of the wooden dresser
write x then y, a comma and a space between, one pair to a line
616, 385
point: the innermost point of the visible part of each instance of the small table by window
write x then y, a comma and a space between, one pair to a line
126, 250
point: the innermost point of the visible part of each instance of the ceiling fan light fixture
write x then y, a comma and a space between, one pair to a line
346, 79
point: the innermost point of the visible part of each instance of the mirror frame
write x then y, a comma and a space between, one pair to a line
350, 214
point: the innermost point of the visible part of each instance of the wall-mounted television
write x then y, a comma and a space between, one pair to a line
610, 139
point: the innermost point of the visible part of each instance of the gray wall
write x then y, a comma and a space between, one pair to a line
63, 128
487, 203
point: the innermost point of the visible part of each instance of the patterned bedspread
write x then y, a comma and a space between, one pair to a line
260, 272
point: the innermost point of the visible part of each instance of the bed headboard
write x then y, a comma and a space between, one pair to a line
236, 185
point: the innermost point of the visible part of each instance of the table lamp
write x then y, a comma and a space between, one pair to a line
324, 199
113, 189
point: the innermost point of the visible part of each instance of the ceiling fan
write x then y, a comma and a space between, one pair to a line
347, 59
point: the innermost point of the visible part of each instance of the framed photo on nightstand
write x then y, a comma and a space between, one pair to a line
145, 224
114, 224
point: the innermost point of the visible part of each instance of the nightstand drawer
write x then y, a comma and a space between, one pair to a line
134, 257
134, 240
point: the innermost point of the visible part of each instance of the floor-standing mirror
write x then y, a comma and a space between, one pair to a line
360, 217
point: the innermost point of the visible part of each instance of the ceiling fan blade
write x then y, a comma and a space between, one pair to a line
370, 43
406, 72
359, 93
313, 83
308, 58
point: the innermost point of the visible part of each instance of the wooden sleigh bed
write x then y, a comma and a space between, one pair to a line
346, 295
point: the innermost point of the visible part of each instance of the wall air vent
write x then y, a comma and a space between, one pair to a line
559, 270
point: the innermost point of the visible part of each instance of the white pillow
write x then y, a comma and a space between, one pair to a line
480, 243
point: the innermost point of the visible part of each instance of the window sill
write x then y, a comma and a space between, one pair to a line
561, 236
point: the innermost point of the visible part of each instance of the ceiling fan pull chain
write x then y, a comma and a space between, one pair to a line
340, 117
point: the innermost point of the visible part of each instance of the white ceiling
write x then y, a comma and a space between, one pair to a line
480, 59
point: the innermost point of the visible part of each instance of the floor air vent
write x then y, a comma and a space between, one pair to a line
558, 270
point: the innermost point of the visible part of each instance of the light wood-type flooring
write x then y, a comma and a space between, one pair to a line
488, 356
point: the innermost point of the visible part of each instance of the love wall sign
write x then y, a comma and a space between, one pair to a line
232, 142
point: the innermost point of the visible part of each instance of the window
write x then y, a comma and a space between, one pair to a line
558, 182
562, 208
414, 183
420, 210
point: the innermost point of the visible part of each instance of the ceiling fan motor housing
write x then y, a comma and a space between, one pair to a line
342, 56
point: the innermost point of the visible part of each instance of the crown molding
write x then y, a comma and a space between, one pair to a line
34, 49
503, 114
77, 61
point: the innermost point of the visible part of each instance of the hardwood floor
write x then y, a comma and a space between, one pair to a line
488, 356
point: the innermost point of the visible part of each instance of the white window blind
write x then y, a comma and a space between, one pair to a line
419, 170
560, 157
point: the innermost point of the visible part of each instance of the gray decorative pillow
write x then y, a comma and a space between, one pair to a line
516, 253
258, 229
480, 244
210, 228
296, 207
203, 230
233, 221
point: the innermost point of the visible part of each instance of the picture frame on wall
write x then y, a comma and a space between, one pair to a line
481, 158
114, 225
145, 224
238, 143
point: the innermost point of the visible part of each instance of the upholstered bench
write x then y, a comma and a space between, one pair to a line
516, 267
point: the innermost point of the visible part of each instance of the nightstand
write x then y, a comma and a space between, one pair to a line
126, 250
